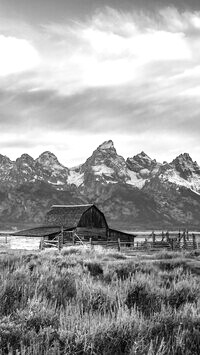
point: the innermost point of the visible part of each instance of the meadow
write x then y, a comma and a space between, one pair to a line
92, 301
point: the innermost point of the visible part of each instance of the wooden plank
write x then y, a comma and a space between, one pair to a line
98, 231
49, 243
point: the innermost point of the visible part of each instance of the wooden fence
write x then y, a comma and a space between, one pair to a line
155, 241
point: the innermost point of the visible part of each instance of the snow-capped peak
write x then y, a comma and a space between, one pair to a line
140, 162
185, 166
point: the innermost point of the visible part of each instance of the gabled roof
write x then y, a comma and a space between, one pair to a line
66, 215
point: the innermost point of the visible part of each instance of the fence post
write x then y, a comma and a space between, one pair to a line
62, 236
119, 244
59, 244
91, 242
194, 241
73, 238
153, 237
184, 240
179, 236
6, 239
187, 234
42, 243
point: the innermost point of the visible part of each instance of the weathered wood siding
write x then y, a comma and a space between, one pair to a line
92, 218
86, 233
124, 237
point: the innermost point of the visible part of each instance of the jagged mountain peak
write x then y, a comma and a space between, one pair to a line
25, 157
4, 159
141, 161
48, 159
143, 156
184, 157
25, 160
185, 165
182, 171
106, 145
47, 156
104, 165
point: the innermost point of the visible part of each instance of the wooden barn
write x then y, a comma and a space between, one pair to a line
85, 220
77, 223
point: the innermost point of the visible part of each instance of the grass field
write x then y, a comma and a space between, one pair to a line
84, 301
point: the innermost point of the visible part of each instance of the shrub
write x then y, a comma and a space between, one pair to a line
14, 292
115, 255
57, 288
141, 296
38, 316
180, 294
168, 255
170, 265
10, 335
94, 268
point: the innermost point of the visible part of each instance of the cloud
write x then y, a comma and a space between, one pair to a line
17, 55
112, 48
115, 74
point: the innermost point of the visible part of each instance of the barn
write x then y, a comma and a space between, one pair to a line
77, 223
85, 220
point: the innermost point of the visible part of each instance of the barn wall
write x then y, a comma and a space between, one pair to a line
94, 233
92, 218
114, 235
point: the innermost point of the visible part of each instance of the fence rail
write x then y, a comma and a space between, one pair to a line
172, 242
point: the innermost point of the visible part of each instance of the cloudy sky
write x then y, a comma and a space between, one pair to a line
74, 73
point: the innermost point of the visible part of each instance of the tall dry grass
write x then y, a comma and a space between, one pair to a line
98, 302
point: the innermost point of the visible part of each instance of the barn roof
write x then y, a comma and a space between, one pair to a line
70, 213
38, 231
127, 233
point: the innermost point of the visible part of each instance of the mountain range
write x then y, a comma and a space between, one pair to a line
134, 193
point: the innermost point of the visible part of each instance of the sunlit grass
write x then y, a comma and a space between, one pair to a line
83, 301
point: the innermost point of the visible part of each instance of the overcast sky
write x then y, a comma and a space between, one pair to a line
74, 73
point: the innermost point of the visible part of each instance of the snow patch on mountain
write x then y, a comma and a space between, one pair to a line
173, 176
104, 166
76, 178
182, 171
102, 170
135, 180
56, 183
